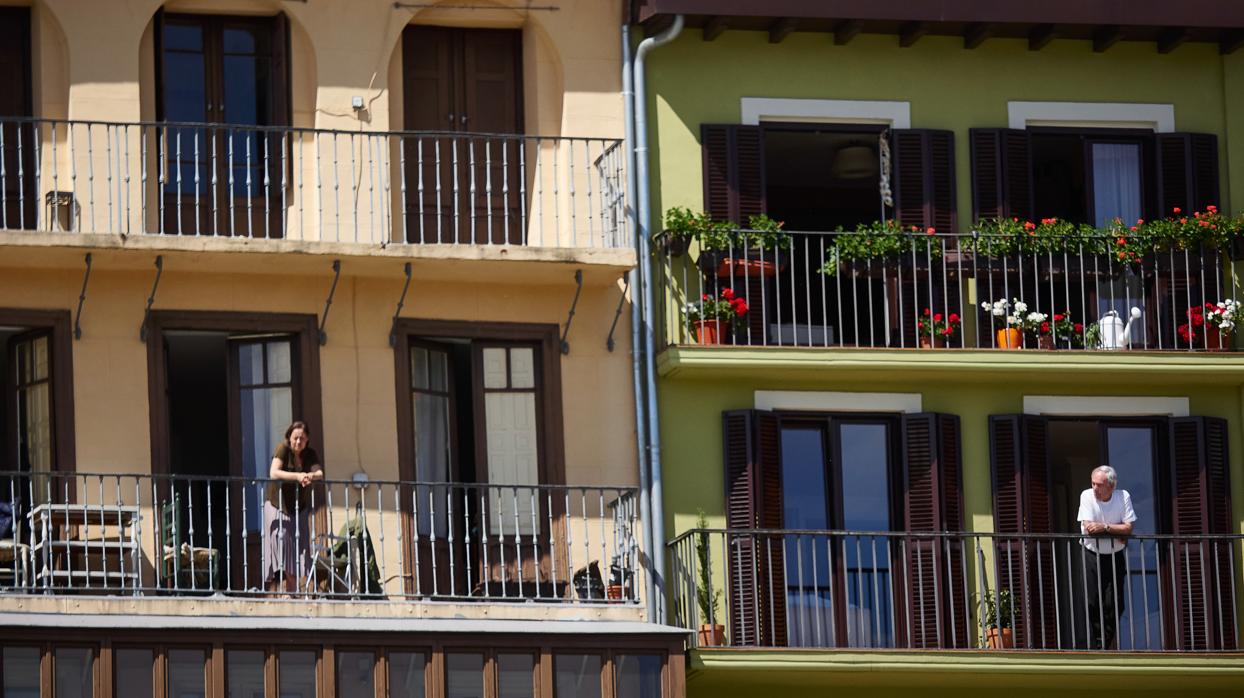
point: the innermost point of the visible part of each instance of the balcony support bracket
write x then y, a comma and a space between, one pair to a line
142, 331
400, 302
626, 285
328, 302
77, 318
578, 281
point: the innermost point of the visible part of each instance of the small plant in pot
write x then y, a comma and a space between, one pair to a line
682, 225
759, 251
711, 317
937, 331
997, 617
711, 633
1211, 327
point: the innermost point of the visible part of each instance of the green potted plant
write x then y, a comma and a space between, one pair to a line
711, 633
937, 330
998, 611
762, 250
711, 316
682, 225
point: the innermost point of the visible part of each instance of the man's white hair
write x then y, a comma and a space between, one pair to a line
1111, 476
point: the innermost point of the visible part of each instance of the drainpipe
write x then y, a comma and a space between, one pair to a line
641, 425
643, 239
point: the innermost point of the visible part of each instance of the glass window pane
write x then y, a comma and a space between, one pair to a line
438, 371
244, 673
513, 459
356, 675
1130, 452
865, 477
515, 676
432, 450
239, 40
296, 674
406, 675
74, 678
185, 98
185, 37
250, 364
638, 675
576, 676
21, 672
133, 672
34, 419
494, 368
464, 676
522, 368
279, 364
804, 496
419, 368
186, 676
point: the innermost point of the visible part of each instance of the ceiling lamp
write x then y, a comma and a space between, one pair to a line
854, 161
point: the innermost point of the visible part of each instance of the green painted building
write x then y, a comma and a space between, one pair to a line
890, 474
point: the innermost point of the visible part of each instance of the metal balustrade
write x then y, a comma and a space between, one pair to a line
825, 589
371, 187
820, 291
190, 535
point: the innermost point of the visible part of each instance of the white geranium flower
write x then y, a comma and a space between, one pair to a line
1021, 307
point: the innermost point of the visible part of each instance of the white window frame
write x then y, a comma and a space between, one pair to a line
754, 110
1159, 118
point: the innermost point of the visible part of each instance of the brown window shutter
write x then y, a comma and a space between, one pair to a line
734, 171
924, 178
932, 502
1025, 566
1200, 505
751, 447
1187, 171
1001, 174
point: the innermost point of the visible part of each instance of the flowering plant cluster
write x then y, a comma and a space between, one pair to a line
1014, 314
726, 307
937, 325
880, 239
1222, 316
762, 231
1062, 327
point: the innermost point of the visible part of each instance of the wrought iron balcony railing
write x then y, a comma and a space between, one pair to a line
829, 290
189, 535
827, 589
379, 188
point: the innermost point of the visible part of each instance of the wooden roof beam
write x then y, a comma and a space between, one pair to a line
1173, 38
846, 30
1041, 35
1231, 42
781, 29
976, 34
715, 26
1105, 37
911, 32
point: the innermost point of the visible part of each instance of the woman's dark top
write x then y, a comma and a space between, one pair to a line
287, 495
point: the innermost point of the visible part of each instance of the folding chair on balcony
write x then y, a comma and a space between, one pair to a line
345, 563
14, 555
185, 567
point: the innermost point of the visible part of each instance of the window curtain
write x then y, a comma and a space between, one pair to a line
1116, 182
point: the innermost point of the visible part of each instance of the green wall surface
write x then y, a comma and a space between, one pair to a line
692, 82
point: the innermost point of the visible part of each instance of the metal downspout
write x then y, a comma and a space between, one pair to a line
643, 239
641, 425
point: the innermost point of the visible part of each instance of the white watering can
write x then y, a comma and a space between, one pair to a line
1114, 334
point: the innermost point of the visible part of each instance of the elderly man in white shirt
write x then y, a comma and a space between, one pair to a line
1106, 514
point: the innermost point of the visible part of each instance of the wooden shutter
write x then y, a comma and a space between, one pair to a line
1001, 174
751, 448
1187, 171
281, 98
924, 178
1201, 504
1023, 565
933, 570
734, 171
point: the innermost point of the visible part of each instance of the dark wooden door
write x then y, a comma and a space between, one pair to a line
463, 176
17, 149
229, 72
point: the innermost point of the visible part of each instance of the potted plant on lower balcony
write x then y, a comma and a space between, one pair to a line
998, 614
711, 316
708, 598
760, 251
1211, 327
936, 330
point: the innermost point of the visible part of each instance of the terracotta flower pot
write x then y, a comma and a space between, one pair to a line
613, 592
741, 267
1010, 338
711, 635
1045, 341
932, 342
1216, 339
1000, 638
710, 331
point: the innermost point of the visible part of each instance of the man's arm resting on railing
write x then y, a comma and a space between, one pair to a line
1115, 529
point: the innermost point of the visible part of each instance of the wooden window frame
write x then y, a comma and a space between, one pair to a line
60, 369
